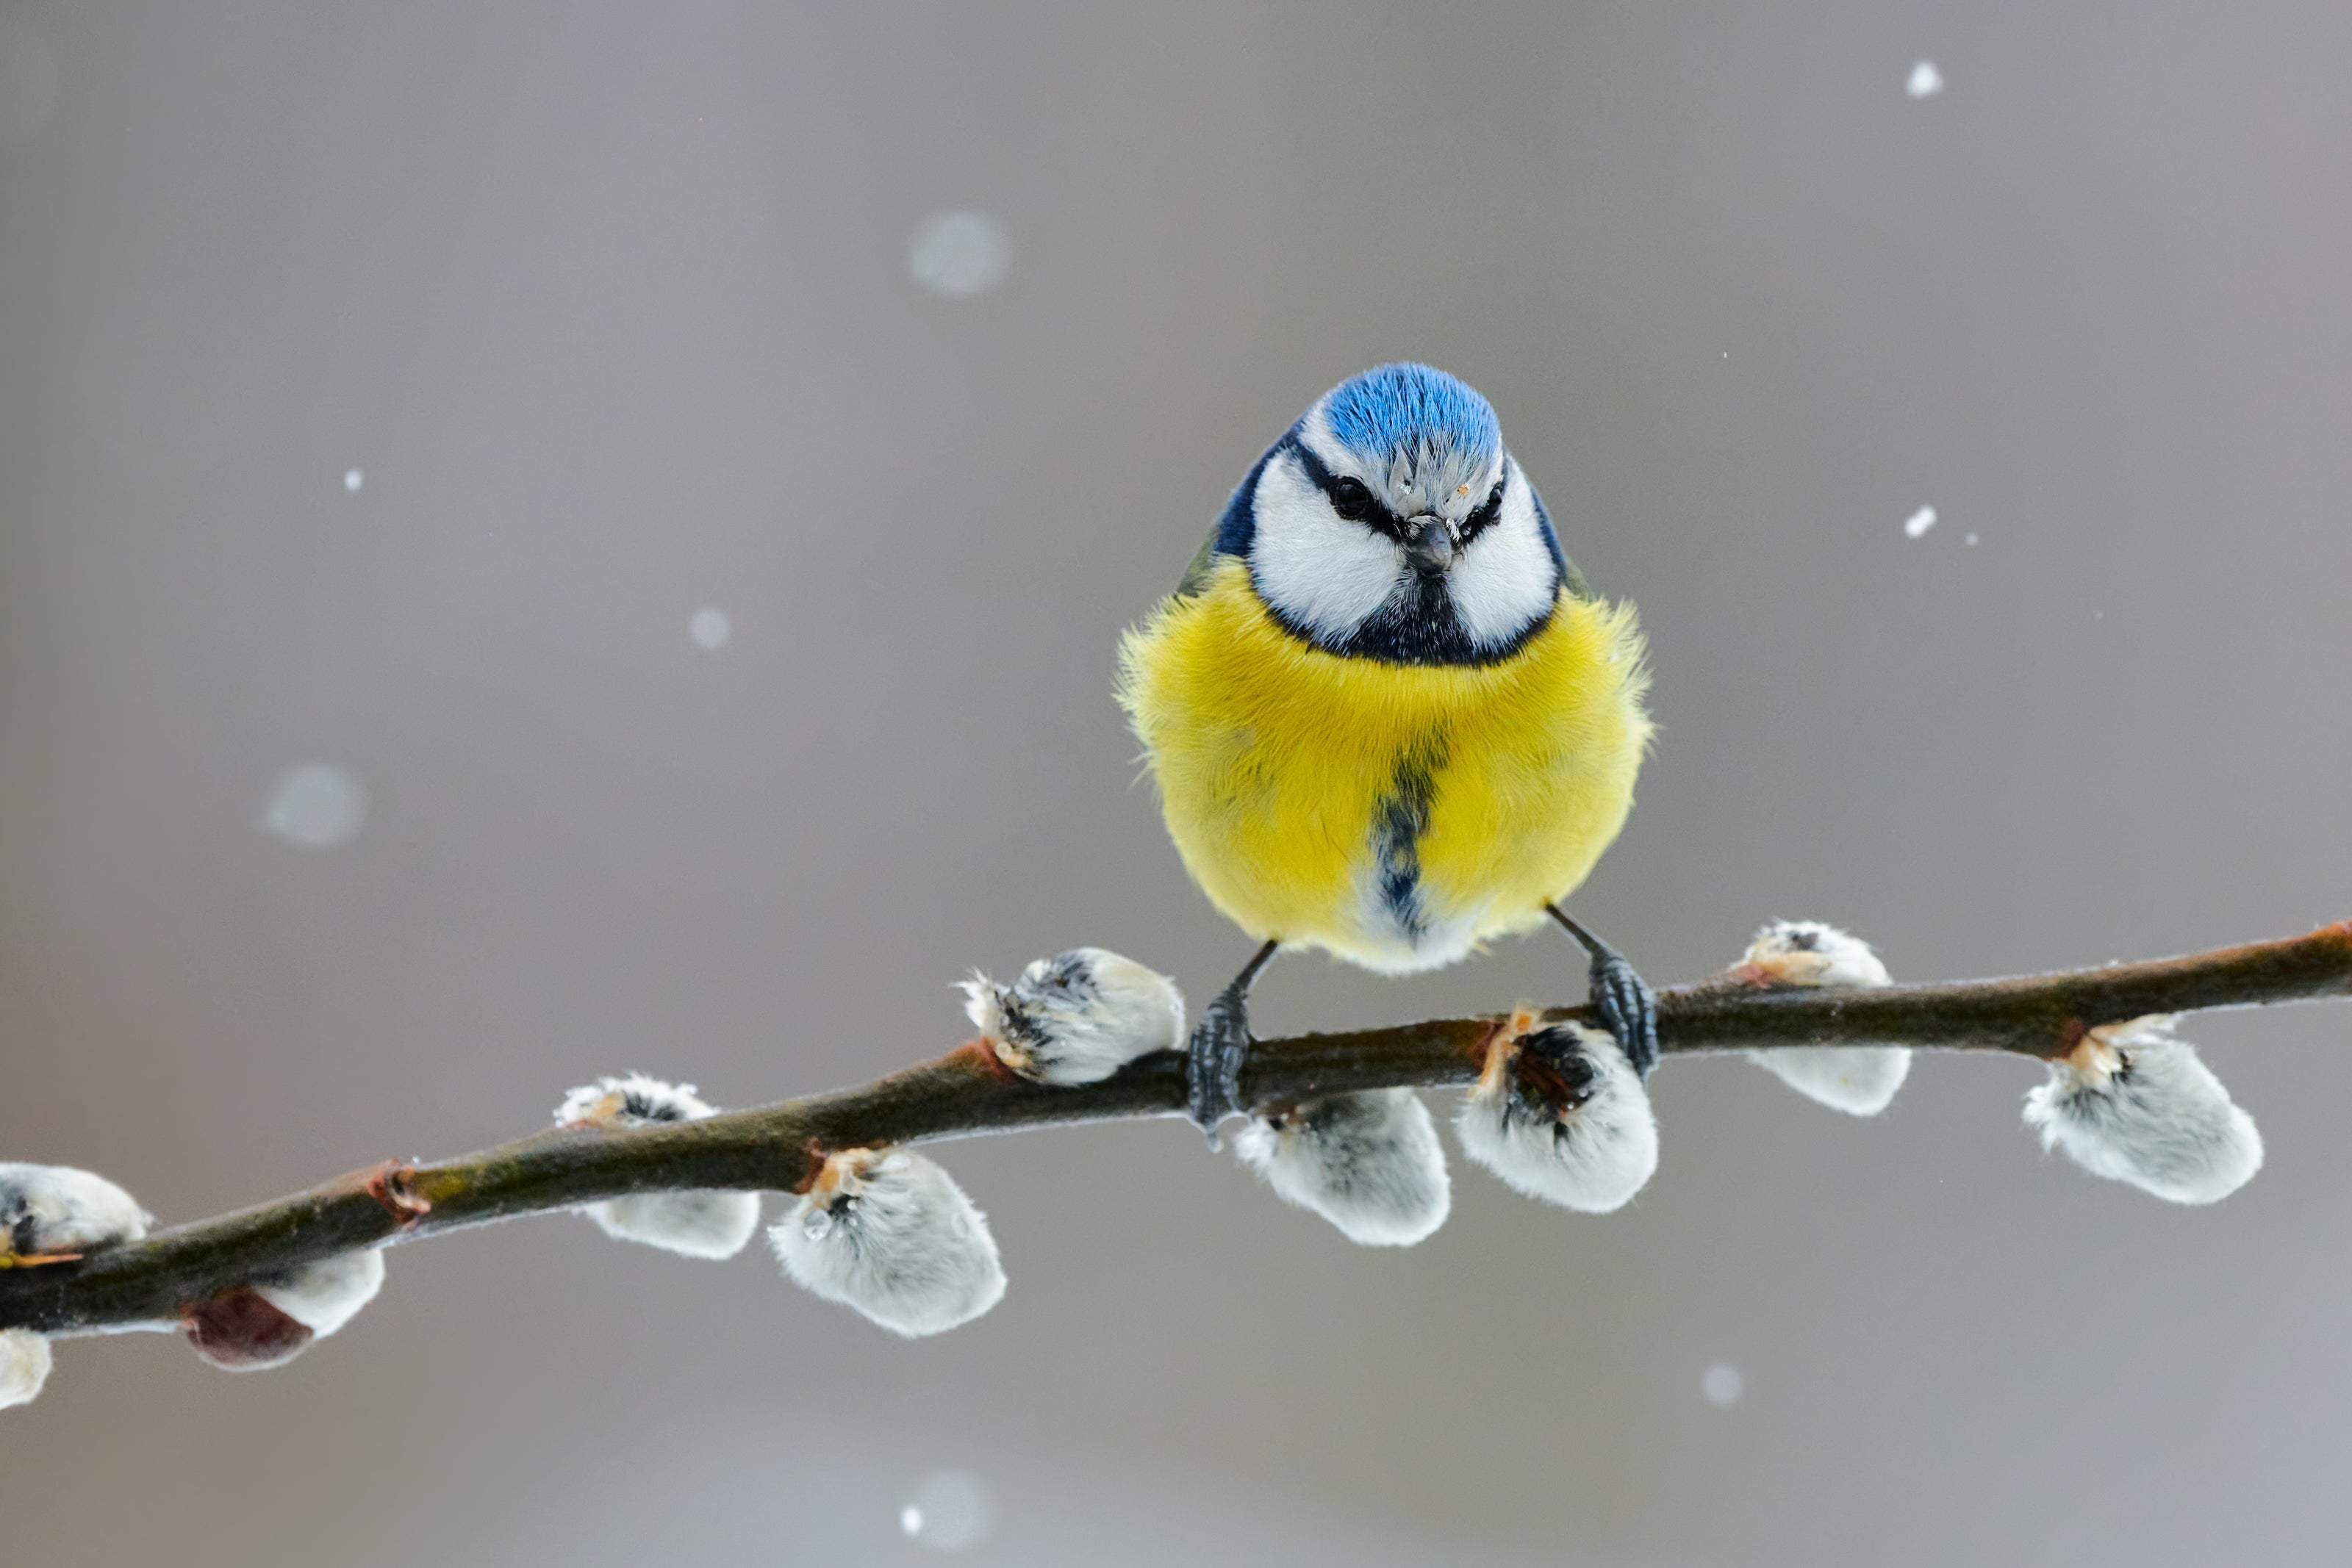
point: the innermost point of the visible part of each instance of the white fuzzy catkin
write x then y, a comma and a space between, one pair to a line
1370, 1163
1591, 1151
24, 1366
325, 1295
1859, 1079
889, 1234
56, 1208
1078, 1017
711, 1223
2132, 1103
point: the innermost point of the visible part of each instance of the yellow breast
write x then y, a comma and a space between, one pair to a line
1395, 815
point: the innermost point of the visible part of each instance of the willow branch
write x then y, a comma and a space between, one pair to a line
967, 1091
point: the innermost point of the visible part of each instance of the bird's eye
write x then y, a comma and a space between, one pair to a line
1487, 512
1350, 499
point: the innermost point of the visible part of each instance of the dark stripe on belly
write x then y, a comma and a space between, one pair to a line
1399, 821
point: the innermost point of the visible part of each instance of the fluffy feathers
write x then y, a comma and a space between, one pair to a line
1368, 744
1414, 412
1370, 1164
1286, 773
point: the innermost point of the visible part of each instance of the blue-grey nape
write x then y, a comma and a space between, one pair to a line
1391, 408
1237, 524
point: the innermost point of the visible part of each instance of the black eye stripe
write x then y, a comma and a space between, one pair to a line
1378, 516
1486, 515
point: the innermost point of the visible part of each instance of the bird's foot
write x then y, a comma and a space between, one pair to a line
1621, 1000
12, 1259
1626, 1008
1214, 1061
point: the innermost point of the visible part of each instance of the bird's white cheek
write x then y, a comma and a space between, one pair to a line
1506, 579
1320, 570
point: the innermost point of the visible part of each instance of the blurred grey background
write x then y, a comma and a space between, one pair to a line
392, 391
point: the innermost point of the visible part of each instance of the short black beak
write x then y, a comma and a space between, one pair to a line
1428, 544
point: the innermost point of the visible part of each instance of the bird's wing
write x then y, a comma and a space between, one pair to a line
1231, 534
1196, 576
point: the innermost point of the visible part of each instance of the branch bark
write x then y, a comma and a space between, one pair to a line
150, 1284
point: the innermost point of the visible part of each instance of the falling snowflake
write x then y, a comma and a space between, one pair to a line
960, 254
1925, 80
950, 1511
314, 807
1916, 525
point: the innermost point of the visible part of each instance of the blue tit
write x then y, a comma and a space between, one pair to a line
1387, 717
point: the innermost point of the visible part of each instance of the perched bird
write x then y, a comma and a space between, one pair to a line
691, 1224
1387, 717
56, 1213
1859, 1079
1368, 1163
1559, 1115
890, 1234
2134, 1104
1078, 1017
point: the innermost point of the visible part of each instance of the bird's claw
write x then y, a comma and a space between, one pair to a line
1214, 1061
1626, 1008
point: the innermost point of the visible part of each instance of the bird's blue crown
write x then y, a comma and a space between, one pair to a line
1392, 409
